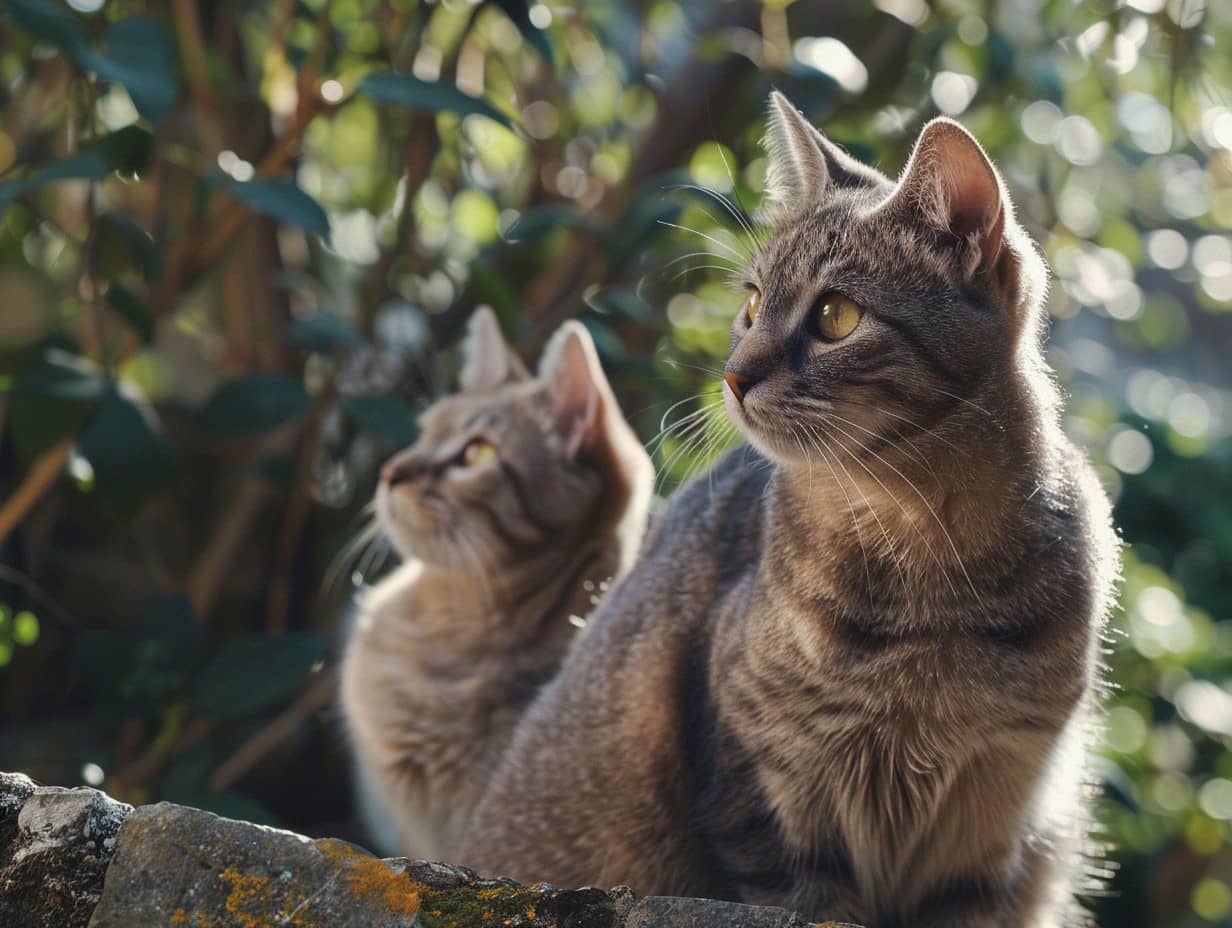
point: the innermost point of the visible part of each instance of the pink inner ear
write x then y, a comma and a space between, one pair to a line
973, 195
969, 194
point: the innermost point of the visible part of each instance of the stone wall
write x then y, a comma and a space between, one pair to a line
76, 858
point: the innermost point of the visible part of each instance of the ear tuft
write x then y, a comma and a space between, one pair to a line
797, 174
487, 360
956, 190
804, 163
576, 386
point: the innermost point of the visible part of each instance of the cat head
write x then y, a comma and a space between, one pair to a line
876, 302
515, 465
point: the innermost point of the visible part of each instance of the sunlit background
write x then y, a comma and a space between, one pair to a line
238, 239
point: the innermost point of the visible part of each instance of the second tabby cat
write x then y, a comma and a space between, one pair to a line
522, 496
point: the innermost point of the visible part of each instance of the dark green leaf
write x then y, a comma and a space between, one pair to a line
410, 92
50, 23
384, 417
251, 674
323, 332
519, 12
622, 301
253, 404
129, 307
128, 456
126, 150
50, 400
170, 629
120, 245
186, 778
86, 166
282, 200
137, 52
537, 223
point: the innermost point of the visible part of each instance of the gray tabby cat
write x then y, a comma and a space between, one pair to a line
857, 681
520, 498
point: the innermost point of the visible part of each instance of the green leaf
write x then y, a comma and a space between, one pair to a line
385, 417
251, 674
170, 630
519, 12
408, 91
50, 23
85, 166
323, 332
126, 150
128, 456
121, 244
137, 53
283, 200
50, 400
253, 404
129, 307
622, 301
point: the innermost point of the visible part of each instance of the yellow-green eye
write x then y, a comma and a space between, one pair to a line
752, 305
478, 452
837, 316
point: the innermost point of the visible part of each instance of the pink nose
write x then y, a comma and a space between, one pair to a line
738, 384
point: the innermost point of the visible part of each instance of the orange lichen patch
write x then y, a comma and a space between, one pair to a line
485, 894
179, 917
530, 912
368, 877
248, 899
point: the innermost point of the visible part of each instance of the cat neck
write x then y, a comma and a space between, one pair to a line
502, 609
941, 494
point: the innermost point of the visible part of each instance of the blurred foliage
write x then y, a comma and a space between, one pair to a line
235, 236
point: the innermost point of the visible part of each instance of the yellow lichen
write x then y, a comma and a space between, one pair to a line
179, 917
371, 878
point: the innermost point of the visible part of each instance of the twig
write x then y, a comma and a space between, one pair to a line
42, 475
315, 696
297, 515
149, 763
229, 533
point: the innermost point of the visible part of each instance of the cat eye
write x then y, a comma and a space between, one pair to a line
837, 316
752, 305
478, 452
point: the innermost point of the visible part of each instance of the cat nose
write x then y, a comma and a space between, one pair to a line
401, 469
740, 384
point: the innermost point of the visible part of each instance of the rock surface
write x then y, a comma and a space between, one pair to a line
79, 859
55, 845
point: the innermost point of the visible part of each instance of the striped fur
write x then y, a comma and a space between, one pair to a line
449, 649
856, 681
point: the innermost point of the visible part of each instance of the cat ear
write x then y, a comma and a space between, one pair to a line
803, 162
487, 360
952, 185
577, 386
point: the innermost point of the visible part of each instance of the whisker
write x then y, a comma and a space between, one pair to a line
724, 201
817, 443
894, 553
710, 238
945, 531
699, 254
